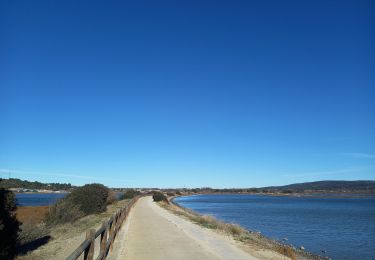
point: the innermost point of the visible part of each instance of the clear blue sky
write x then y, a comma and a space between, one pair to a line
187, 93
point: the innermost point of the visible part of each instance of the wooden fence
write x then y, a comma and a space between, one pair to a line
107, 233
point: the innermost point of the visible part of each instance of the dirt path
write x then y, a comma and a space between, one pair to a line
151, 232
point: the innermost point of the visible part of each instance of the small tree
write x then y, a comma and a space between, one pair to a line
85, 200
158, 196
91, 198
9, 225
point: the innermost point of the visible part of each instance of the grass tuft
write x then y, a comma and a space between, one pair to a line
287, 251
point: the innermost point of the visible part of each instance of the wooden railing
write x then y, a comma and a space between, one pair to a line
107, 233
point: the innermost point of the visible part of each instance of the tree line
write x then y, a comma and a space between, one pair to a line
33, 185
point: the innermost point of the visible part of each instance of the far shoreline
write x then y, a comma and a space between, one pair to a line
301, 195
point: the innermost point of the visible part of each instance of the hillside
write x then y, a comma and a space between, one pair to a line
360, 186
329, 186
33, 185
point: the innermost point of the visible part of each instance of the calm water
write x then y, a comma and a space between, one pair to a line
43, 199
344, 227
38, 199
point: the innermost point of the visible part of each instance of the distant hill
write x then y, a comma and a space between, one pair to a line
35, 185
330, 186
338, 187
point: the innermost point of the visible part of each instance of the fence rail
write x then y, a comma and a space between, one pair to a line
107, 233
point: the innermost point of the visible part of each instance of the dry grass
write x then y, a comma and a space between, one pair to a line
207, 221
31, 215
287, 251
253, 239
32, 227
211, 222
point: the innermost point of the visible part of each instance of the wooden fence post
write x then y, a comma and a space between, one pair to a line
112, 233
89, 252
103, 239
118, 222
121, 217
115, 228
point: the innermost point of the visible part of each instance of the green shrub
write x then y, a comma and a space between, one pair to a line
91, 198
9, 225
178, 193
170, 194
129, 194
86, 200
158, 196
64, 211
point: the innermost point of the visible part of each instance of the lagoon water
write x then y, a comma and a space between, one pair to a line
38, 199
43, 199
343, 227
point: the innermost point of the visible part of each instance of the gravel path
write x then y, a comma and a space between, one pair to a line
151, 232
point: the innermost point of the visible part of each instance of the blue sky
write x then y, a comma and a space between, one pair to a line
187, 93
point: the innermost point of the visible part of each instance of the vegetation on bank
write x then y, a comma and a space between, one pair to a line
9, 225
34, 185
238, 233
158, 196
83, 201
